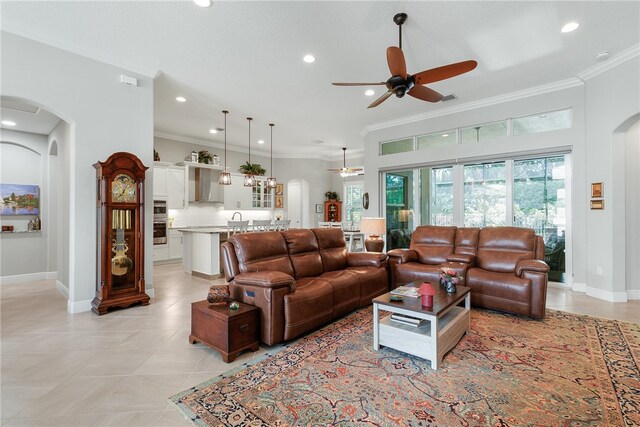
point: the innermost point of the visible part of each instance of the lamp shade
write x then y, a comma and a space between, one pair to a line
373, 226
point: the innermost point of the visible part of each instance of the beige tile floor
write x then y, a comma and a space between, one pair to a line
60, 369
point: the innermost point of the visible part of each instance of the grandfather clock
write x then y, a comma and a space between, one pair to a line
120, 233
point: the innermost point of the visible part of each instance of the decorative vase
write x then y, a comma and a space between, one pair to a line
427, 300
450, 287
218, 294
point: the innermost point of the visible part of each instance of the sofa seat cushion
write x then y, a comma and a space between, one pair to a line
499, 291
412, 271
309, 307
373, 282
346, 290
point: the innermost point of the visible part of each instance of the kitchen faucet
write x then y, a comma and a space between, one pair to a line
234, 216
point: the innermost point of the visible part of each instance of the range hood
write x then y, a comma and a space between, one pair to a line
206, 187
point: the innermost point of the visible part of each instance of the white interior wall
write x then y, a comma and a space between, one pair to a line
23, 161
105, 116
632, 211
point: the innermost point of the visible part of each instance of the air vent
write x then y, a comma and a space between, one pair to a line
317, 141
449, 97
19, 106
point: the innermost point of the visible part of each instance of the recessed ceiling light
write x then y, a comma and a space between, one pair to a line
181, 99
309, 59
370, 92
203, 3
261, 141
213, 130
570, 27
444, 135
8, 123
603, 56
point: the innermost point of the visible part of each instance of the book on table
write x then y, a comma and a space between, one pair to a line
406, 291
407, 320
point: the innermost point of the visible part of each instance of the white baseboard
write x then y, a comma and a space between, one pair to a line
579, 287
557, 285
78, 306
607, 295
150, 292
62, 289
633, 294
29, 277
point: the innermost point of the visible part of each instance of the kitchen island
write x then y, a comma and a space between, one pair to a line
201, 251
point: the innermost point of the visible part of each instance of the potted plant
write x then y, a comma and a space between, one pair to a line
332, 195
252, 168
204, 157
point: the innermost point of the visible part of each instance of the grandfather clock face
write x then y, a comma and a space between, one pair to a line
123, 189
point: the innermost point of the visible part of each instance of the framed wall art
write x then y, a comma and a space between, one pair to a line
279, 189
597, 204
596, 190
19, 199
279, 201
319, 208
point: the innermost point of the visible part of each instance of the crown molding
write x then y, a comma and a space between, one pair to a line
617, 59
50, 41
244, 150
482, 103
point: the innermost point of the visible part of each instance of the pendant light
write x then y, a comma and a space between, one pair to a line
271, 181
225, 177
249, 179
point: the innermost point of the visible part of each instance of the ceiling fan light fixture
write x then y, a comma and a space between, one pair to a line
225, 177
214, 131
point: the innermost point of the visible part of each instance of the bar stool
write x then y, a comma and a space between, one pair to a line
261, 225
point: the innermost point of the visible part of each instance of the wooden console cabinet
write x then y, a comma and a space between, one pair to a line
333, 211
228, 331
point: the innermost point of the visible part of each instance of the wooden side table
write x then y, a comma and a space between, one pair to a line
228, 331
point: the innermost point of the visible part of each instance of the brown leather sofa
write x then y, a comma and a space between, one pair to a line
503, 266
301, 278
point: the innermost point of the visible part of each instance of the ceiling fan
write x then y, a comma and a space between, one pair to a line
344, 170
400, 83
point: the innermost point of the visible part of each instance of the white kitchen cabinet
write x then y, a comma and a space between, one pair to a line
160, 179
175, 187
175, 244
160, 252
237, 196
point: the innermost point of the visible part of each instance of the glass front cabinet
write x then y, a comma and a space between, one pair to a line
120, 233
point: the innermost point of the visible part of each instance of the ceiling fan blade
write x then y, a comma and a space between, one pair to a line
380, 100
396, 62
358, 84
444, 72
424, 93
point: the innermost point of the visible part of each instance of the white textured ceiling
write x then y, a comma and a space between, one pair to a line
247, 57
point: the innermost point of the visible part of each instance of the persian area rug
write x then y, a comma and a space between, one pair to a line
567, 370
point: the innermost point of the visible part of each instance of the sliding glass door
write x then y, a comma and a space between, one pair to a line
524, 193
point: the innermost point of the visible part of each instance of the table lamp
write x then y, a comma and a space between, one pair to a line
374, 228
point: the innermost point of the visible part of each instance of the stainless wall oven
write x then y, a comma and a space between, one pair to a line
160, 222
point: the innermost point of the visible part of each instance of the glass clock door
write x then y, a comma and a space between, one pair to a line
123, 249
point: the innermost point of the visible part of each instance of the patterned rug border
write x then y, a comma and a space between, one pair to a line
634, 352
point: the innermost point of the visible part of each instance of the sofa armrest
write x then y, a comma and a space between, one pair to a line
531, 265
467, 259
267, 279
400, 256
360, 259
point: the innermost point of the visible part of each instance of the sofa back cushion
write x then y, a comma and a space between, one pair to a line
467, 240
333, 248
433, 243
500, 248
303, 250
261, 251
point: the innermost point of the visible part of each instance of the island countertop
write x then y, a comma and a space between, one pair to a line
204, 230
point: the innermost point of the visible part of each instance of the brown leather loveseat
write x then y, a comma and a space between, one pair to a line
503, 266
301, 278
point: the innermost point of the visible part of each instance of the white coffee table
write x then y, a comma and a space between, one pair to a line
447, 322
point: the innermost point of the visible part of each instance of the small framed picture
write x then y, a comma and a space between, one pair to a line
279, 189
597, 204
596, 190
279, 201
319, 208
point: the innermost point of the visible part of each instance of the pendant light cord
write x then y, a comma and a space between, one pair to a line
225, 112
271, 125
249, 119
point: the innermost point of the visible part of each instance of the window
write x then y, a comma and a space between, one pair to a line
485, 195
484, 132
439, 139
552, 120
394, 147
353, 192
441, 197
